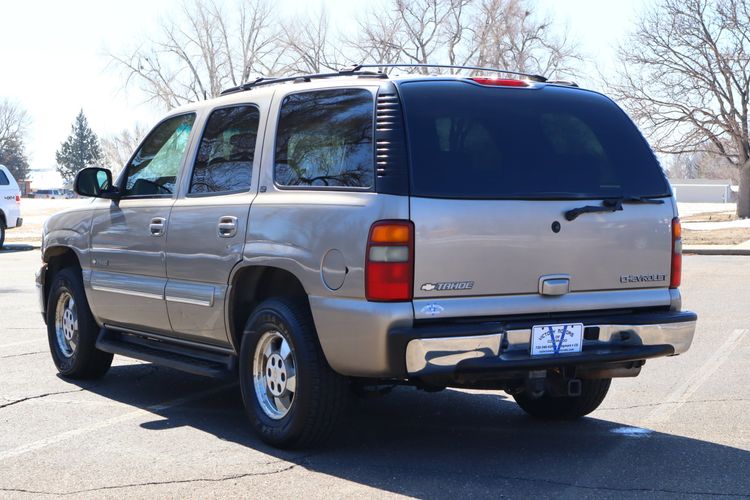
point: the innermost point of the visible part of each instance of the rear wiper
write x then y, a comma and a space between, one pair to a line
612, 205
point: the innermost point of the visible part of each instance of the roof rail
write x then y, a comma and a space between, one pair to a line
567, 83
300, 78
531, 76
360, 70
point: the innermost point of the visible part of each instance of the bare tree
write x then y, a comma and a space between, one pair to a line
376, 41
203, 51
14, 125
118, 148
209, 46
510, 35
494, 33
686, 79
406, 31
422, 27
14, 122
460, 34
701, 165
310, 45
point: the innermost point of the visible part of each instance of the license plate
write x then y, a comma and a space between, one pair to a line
556, 339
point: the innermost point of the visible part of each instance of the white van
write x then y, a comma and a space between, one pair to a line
10, 203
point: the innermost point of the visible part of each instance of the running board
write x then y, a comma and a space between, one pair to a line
162, 352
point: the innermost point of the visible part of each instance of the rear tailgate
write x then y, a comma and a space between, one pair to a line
493, 171
505, 247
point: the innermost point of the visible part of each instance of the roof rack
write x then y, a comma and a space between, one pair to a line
530, 76
360, 70
261, 80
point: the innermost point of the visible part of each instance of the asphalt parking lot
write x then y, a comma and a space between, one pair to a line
681, 429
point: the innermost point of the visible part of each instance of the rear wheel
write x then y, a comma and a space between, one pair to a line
72, 330
2, 233
291, 395
566, 407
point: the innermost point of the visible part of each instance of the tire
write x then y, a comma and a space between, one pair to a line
72, 330
567, 407
280, 355
2, 233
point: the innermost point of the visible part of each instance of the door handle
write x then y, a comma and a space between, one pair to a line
157, 226
227, 226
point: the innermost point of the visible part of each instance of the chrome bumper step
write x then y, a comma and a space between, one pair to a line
506, 349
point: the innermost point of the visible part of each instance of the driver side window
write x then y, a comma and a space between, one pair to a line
154, 168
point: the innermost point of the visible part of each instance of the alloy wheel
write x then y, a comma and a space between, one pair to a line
274, 374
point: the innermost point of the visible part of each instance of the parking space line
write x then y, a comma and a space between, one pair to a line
49, 441
684, 391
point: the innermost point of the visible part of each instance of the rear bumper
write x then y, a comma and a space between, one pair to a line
13, 216
12, 222
496, 347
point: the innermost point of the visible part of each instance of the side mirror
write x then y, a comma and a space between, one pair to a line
95, 182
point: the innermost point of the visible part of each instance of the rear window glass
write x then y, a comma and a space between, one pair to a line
470, 141
4, 179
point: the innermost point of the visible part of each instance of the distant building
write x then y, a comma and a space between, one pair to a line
45, 179
704, 190
25, 186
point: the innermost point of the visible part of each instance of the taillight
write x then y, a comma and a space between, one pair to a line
389, 262
501, 82
676, 253
18, 199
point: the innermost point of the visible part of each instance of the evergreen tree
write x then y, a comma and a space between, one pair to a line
13, 156
81, 149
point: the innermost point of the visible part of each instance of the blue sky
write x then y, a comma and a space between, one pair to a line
52, 55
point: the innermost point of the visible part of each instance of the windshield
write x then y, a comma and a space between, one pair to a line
473, 141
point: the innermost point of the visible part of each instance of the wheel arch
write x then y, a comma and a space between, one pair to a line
57, 258
249, 286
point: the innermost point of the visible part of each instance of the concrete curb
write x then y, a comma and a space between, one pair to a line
707, 250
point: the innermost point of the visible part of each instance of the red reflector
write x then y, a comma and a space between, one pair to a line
500, 82
388, 280
676, 271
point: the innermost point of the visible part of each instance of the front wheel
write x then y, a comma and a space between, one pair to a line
291, 395
567, 407
72, 330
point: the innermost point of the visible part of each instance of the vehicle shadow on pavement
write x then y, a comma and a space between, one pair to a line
16, 247
454, 443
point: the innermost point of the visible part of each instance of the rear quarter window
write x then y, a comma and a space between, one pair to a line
4, 179
324, 140
472, 141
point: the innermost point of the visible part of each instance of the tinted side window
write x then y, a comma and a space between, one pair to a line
225, 155
4, 179
324, 139
153, 170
